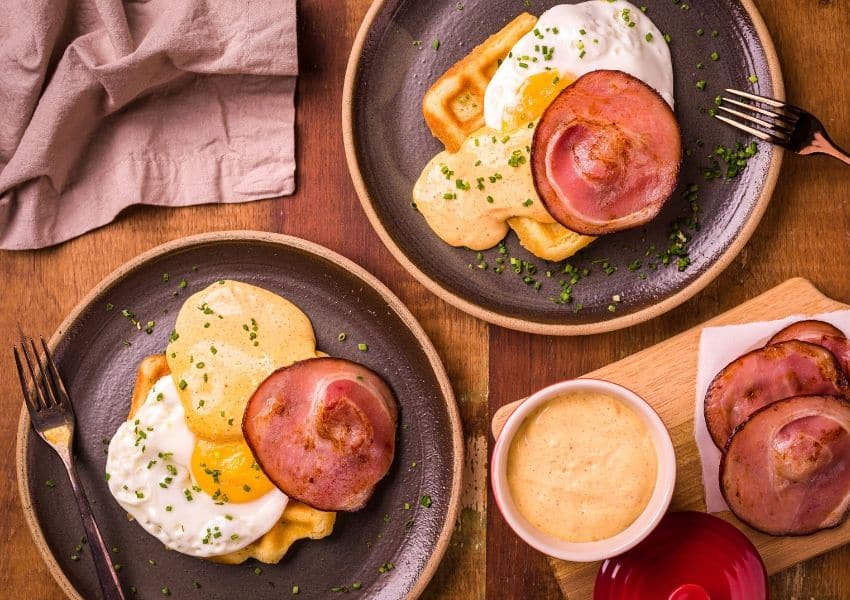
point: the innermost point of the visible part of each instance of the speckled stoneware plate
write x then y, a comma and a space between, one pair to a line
337, 295
388, 144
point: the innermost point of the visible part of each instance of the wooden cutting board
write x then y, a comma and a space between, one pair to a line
665, 375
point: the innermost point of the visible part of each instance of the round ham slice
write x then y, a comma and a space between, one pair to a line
323, 430
606, 153
786, 470
820, 333
763, 376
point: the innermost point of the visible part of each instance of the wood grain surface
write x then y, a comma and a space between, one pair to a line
665, 376
806, 231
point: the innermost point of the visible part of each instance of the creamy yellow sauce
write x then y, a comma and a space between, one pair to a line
582, 467
228, 338
467, 196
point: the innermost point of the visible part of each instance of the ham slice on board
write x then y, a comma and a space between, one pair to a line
323, 430
786, 469
762, 376
820, 333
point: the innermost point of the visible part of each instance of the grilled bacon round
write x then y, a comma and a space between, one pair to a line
606, 153
820, 333
786, 469
323, 430
763, 376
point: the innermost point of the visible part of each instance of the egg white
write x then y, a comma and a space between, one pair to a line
147, 468
608, 42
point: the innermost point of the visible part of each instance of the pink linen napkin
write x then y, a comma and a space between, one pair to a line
105, 104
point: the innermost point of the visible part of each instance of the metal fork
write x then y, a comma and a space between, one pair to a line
786, 125
52, 417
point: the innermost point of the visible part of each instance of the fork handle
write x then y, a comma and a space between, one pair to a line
109, 584
823, 145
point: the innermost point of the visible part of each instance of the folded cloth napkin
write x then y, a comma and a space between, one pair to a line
105, 104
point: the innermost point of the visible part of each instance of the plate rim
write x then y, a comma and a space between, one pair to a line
119, 273
530, 325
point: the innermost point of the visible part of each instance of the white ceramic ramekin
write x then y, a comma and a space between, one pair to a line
634, 533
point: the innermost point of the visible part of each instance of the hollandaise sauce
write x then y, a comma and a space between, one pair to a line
467, 196
582, 467
227, 339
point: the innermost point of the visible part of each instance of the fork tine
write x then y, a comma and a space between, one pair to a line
762, 99
767, 125
46, 381
785, 119
36, 384
32, 403
58, 384
766, 137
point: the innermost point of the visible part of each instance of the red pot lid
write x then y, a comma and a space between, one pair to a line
689, 556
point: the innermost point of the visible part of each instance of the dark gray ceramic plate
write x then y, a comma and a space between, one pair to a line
99, 370
388, 144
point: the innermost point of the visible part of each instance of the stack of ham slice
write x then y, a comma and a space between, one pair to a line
781, 417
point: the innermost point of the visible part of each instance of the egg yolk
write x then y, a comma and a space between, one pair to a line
227, 472
536, 93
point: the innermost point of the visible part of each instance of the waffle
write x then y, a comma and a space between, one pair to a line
298, 521
549, 241
454, 108
454, 105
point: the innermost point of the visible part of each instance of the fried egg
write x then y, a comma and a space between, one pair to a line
568, 41
150, 471
180, 465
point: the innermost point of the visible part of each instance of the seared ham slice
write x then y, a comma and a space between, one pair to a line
820, 333
786, 469
323, 430
606, 153
763, 376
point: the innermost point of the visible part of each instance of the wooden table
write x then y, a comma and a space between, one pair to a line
806, 231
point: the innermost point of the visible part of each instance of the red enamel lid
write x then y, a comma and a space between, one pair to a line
689, 556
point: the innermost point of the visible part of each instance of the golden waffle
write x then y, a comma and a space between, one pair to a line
298, 521
454, 105
549, 241
454, 109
